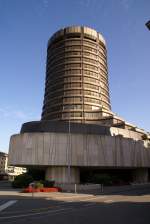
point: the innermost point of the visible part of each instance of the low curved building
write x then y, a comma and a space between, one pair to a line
78, 131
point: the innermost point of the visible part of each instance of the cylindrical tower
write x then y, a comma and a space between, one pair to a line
76, 85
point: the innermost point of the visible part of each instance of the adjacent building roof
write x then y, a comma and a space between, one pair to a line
148, 24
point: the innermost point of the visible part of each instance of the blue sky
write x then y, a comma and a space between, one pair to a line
26, 25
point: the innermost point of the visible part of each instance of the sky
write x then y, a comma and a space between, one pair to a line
26, 26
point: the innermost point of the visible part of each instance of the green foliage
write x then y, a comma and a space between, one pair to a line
38, 185
97, 178
102, 179
47, 183
22, 181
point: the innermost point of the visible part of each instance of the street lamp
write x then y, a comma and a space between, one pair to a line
148, 24
69, 153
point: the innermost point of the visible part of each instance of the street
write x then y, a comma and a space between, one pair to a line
125, 207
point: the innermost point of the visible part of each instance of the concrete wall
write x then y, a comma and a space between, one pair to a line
58, 149
63, 174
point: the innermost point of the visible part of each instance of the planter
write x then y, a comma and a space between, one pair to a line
43, 189
49, 189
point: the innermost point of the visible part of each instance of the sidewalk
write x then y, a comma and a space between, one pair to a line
42, 195
53, 195
119, 189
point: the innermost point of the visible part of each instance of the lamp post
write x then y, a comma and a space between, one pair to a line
69, 151
148, 24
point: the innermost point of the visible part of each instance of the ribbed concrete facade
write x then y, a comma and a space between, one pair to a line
58, 151
76, 90
76, 76
78, 150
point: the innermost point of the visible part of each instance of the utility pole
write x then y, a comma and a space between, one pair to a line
69, 152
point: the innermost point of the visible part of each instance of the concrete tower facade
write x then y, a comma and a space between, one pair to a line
77, 91
76, 76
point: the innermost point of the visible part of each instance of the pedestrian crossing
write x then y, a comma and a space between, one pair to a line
6, 203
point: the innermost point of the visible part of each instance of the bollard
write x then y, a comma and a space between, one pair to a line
32, 186
75, 188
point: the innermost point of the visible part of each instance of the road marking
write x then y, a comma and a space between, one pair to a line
108, 201
7, 204
37, 213
59, 210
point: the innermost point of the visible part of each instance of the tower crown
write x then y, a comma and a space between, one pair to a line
76, 76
